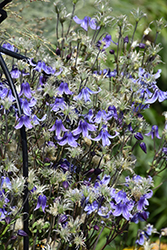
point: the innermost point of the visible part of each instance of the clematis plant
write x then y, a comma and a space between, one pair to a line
83, 108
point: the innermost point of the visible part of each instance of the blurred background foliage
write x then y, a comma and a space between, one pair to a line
36, 20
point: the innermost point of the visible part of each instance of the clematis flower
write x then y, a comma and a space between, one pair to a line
100, 116
140, 216
63, 88
65, 184
41, 202
69, 139
25, 107
25, 89
104, 212
123, 208
83, 128
58, 126
104, 182
104, 136
157, 95
59, 104
15, 72
120, 196
39, 66
35, 120
141, 239
105, 42
89, 116
48, 69
3, 214
3, 91
10, 96
24, 121
143, 201
8, 46
5, 183
112, 112
86, 22
154, 132
85, 94
90, 208
142, 45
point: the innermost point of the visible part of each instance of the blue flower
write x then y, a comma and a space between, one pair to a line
157, 95
105, 42
39, 66
120, 196
105, 181
140, 216
90, 208
104, 136
3, 214
112, 112
85, 94
25, 107
123, 208
87, 21
101, 115
106, 73
35, 120
5, 183
63, 88
48, 69
59, 104
24, 121
15, 72
58, 126
104, 212
84, 127
41, 202
3, 91
69, 139
89, 116
154, 132
25, 89
143, 201
8, 46
141, 239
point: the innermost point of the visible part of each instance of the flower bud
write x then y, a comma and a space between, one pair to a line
138, 136
142, 45
96, 228
63, 218
143, 147
126, 39
97, 171
68, 57
111, 51
22, 233
7, 220
65, 184
58, 51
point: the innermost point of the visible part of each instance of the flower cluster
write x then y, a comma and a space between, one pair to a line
84, 121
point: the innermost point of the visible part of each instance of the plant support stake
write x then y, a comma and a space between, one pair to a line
24, 152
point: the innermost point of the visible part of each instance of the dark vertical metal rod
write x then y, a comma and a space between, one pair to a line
24, 153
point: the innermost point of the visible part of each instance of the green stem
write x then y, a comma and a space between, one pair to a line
72, 15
